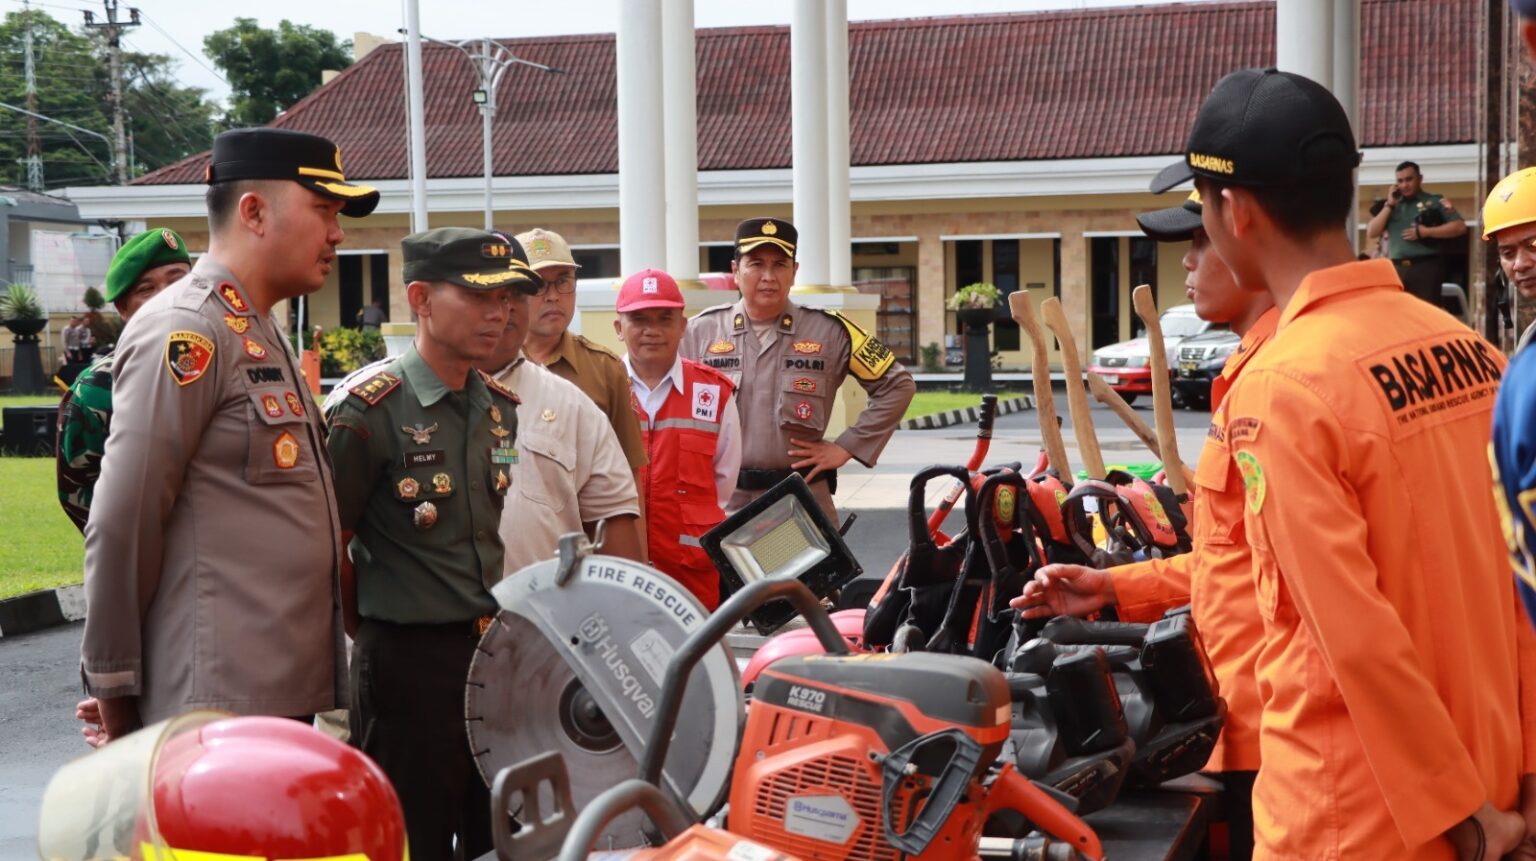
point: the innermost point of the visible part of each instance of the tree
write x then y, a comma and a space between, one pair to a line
168, 121
269, 70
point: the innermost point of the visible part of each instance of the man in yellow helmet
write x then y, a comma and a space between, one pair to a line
1509, 219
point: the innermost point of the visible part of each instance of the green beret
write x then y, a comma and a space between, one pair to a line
141, 253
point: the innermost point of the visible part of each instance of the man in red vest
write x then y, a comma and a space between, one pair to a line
691, 430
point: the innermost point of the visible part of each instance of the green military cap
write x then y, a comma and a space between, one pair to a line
140, 254
477, 259
755, 232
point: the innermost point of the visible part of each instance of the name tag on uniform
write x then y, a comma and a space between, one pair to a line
431, 457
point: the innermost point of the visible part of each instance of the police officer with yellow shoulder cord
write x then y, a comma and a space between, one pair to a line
788, 363
212, 547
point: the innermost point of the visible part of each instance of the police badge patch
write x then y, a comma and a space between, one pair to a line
188, 356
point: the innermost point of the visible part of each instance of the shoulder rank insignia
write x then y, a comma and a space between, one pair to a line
498, 388
231, 296
868, 359
786, 323
739, 323
188, 356
373, 389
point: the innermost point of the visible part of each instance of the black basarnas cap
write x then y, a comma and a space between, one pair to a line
309, 160
1174, 224
476, 259
1263, 127
777, 232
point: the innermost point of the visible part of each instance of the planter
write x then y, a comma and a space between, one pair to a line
26, 328
976, 319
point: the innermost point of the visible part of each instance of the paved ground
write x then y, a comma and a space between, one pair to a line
41, 684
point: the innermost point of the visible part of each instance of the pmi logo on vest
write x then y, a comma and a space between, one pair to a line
1426, 380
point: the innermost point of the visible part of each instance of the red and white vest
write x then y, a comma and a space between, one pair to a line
679, 482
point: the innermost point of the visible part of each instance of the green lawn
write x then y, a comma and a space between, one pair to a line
39, 547
928, 403
29, 401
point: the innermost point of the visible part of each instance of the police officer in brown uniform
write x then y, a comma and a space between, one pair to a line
212, 548
787, 363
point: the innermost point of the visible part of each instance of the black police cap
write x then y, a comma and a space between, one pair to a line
309, 160
476, 259
1264, 127
755, 232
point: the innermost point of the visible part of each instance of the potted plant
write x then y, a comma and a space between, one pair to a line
975, 304
24, 316
22, 313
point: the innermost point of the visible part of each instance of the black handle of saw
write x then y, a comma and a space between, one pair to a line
541, 835
1071, 631
917, 521
988, 416
622, 798
948, 787
991, 542
720, 623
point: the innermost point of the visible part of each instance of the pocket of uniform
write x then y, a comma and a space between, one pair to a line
803, 400
546, 465
279, 451
1213, 477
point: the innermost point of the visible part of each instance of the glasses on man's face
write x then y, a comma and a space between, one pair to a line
564, 284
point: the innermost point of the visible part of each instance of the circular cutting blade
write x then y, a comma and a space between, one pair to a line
576, 662
510, 723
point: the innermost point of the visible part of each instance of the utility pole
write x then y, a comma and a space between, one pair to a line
34, 148
489, 61
113, 30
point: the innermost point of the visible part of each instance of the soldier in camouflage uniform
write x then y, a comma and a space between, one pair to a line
145, 265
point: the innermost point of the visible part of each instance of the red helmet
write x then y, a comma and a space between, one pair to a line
802, 641
239, 787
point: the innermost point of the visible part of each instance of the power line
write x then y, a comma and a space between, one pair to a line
195, 58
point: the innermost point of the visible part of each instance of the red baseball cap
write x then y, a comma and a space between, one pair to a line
649, 288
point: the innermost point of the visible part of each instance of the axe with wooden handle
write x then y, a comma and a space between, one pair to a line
1045, 400
1111, 398
1077, 397
1162, 390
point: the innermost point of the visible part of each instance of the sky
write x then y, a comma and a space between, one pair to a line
177, 27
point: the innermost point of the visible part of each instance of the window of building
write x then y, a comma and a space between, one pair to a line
897, 318
1104, 289
1005, 276
1144, 263
597, 262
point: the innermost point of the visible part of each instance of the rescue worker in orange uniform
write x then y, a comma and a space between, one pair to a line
692, 433
1397, 685
1217, 576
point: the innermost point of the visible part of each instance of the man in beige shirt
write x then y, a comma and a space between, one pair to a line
787, 363
570, 472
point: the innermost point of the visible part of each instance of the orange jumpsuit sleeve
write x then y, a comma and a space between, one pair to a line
1144, 591
1304, 515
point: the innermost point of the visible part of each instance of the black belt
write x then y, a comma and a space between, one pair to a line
762, 479
472, 628
1407, 262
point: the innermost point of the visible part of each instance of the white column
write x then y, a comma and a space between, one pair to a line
808, 93
679, 95
1304, 38
642, 206
840, 218
416, 107
1346, 79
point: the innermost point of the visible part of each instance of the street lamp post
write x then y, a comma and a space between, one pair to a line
490, 60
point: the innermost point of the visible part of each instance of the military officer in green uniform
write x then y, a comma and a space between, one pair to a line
145, 265
1412, 219
423, 450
